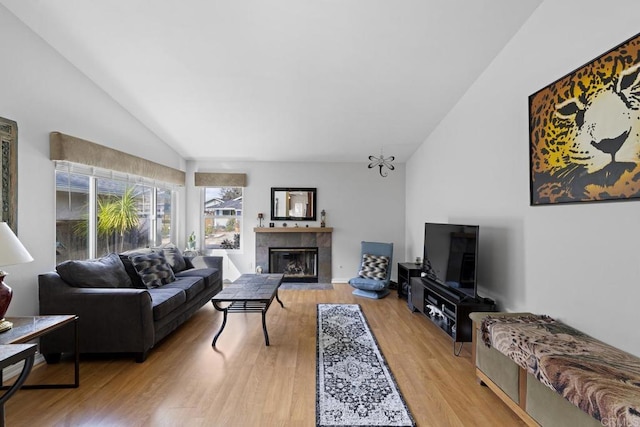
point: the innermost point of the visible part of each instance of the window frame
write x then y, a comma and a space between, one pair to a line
94, 175
203, 220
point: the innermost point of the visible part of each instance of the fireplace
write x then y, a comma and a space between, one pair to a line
297, 264
295, 238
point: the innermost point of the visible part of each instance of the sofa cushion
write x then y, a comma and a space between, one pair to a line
105, 272
164, 300
374, 267
125, 257
152, 269
367, 284
191, 285
210, 275
174, 257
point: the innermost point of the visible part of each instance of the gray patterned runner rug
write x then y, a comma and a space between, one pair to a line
354, 386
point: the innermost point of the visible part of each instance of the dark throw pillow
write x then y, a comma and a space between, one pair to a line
105, 272
374, 267
125, 257
173, 256
152, 269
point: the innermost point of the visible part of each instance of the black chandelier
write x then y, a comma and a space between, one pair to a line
382, 162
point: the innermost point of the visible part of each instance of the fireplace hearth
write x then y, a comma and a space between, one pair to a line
297, 264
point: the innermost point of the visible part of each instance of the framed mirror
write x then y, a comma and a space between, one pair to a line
9, 190
293, 204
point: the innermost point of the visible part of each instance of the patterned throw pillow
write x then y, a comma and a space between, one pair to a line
125, 257
374, 267
174, 257
153, 269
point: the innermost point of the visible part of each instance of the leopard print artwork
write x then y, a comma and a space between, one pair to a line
585, 131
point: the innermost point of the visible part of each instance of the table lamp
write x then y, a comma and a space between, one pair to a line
11, 252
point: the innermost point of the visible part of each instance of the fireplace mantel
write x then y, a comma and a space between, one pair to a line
293, 229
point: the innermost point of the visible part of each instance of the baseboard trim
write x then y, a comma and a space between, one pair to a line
14, 370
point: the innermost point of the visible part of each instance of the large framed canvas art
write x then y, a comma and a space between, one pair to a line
584, 131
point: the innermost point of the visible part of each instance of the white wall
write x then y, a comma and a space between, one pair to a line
360, 205
579, 263
42, 92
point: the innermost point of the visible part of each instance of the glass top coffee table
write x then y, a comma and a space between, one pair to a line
250, 293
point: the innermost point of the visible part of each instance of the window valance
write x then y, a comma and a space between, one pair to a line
207, 179
75, 150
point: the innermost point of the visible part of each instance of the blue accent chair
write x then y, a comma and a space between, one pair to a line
373, 288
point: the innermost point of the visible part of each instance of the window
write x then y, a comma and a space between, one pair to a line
163, 216
124, 213
222, 215
72, 216
98, 212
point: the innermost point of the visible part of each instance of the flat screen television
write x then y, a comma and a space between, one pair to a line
451, 258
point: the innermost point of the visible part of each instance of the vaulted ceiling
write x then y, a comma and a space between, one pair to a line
287, 80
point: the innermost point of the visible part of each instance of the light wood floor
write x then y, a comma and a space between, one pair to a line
184, 382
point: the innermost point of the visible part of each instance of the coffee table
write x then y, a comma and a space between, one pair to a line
250, 293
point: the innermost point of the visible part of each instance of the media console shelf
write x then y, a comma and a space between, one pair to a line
446, 309
406, 270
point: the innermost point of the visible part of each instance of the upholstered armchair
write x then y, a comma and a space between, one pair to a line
374, 273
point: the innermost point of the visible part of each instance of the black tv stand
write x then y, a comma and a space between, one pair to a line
451, 294
447, 309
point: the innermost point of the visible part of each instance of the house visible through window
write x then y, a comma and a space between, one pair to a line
222, 216
96, 215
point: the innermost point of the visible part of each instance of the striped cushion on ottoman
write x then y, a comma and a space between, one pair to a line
374, 267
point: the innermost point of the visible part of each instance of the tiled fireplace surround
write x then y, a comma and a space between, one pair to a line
295, 238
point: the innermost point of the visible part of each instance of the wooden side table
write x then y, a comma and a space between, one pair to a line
28, 328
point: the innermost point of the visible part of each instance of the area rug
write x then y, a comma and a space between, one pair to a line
354, 386
306, 286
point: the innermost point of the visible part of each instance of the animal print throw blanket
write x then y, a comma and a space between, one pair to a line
600, 379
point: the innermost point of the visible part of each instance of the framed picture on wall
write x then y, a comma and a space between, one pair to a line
584, 131
9, 189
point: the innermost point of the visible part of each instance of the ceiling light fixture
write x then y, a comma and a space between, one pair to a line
382, 162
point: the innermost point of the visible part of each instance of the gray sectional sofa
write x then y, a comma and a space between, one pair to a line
126, 303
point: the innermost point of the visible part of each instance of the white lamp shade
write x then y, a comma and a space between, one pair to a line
11, 250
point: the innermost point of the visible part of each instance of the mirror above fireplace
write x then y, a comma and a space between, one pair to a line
293, 204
